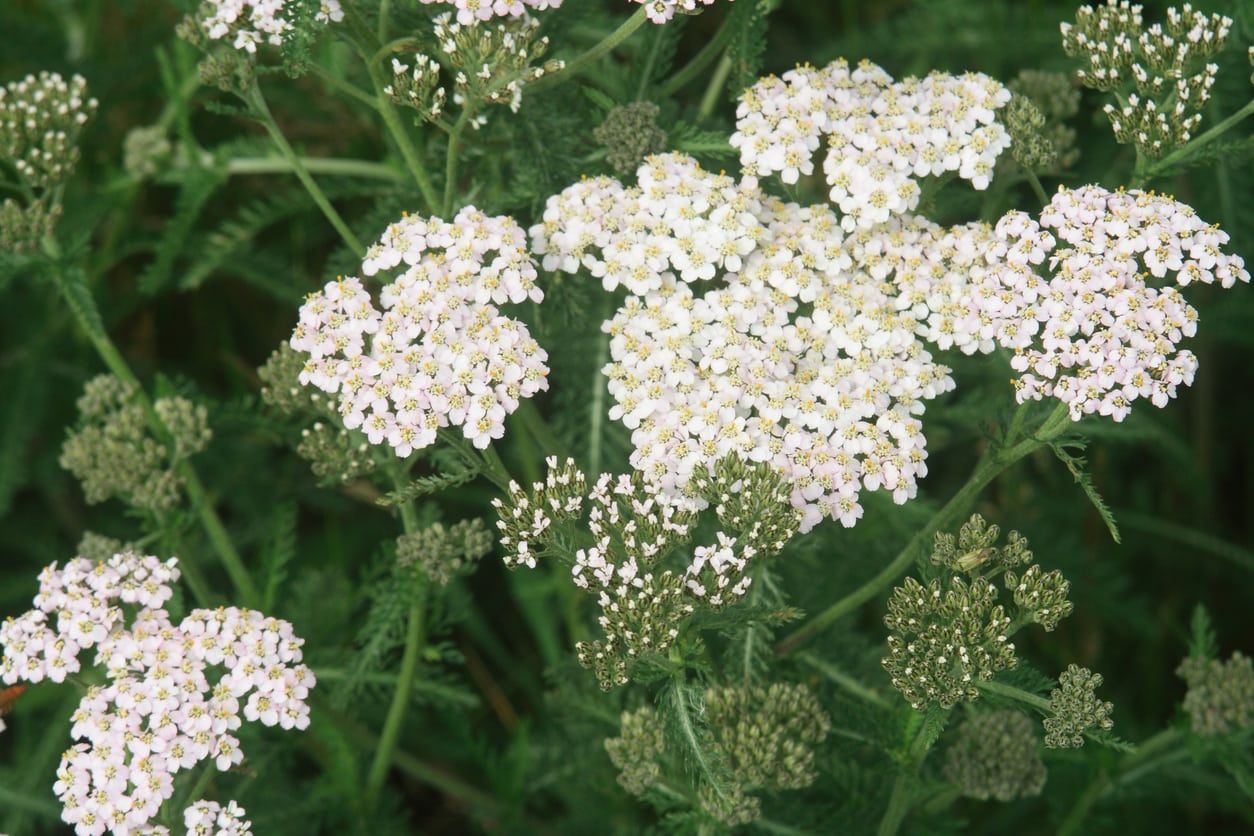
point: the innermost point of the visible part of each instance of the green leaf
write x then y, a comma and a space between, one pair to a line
72, 282
1076, 465
427, 485
748, 24
1203, 643
279, 551
197, 188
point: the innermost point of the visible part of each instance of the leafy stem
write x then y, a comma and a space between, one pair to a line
415, 639
1145, 173
995, 461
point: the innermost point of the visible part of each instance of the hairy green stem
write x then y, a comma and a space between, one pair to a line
257, 101
451, 161
575, 66
1037, 188
415, 639
315, 165
409, 152
1188, 149
1018, 694
991, 465
900, 798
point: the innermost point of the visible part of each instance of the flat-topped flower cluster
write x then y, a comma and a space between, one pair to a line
250, 23
440, 353
1094, 332
881, 134
174, 695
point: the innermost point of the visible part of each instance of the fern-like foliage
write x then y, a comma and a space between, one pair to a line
1068, 452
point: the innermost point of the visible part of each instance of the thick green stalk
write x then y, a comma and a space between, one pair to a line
1018, 694
451, 162
258, 102
577, 65
415, 639
714, 89
409, 152
1037, 188
900, 799
694, 68
989, 468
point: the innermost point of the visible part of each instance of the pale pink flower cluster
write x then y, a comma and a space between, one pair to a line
252, 22
680, 220
1094, 333
440, 353
882, 135
471, 11
800, 357
209, 818
661, 11
159, 712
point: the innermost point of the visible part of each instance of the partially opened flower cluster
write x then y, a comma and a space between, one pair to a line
440, 353
1098, 332
882, 135
174, 694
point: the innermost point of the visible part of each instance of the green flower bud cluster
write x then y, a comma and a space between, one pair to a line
766, 735
1075, 709
444, 552
760, 739
1037, 120
1161, 74
335, 455
526, 517
638, 750
994, 755
750, 501
953, 632
112, 451
146, 152
638, 619
41, 118
1220, 699
630, 133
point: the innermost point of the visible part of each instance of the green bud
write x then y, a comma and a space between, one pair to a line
630, 133
444, 552
1075, 709
1220, 699
994, 755
637, 750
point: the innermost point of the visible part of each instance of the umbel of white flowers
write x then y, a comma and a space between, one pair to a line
174, 694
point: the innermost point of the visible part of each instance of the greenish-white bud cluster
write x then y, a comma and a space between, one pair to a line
100, 548
443, 552
1075, 709
335, 455
950, 634
630, 133
995, 755
146, 152
41, 117
113, 451
1037, 120
637, 751
759, 739
1220, 699
1160, 74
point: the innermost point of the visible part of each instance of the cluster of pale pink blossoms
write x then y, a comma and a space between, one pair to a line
174, 693
881, 134
440, 353
472, 11
248, 23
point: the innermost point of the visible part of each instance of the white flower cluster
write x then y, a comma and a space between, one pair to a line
1094, 333
526, 518
881, 134
159, 713
251, 22
209, 818
680, 220
40, 118
801, 357
661, 11
440, 354
470, 11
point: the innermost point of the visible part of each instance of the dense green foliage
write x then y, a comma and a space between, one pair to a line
187, 243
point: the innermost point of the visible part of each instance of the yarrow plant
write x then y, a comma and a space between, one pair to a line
174, 694
648, 409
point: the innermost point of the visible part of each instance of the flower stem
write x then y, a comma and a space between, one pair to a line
699, 62
451, 161
257, 101
314, 165
1003, 690
415, 639
1188, 149
578, 65
991, 465
1037, 188
392, 121
714, 89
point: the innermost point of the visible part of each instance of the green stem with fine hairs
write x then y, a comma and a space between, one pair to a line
415, 640
991, 465
257, 102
